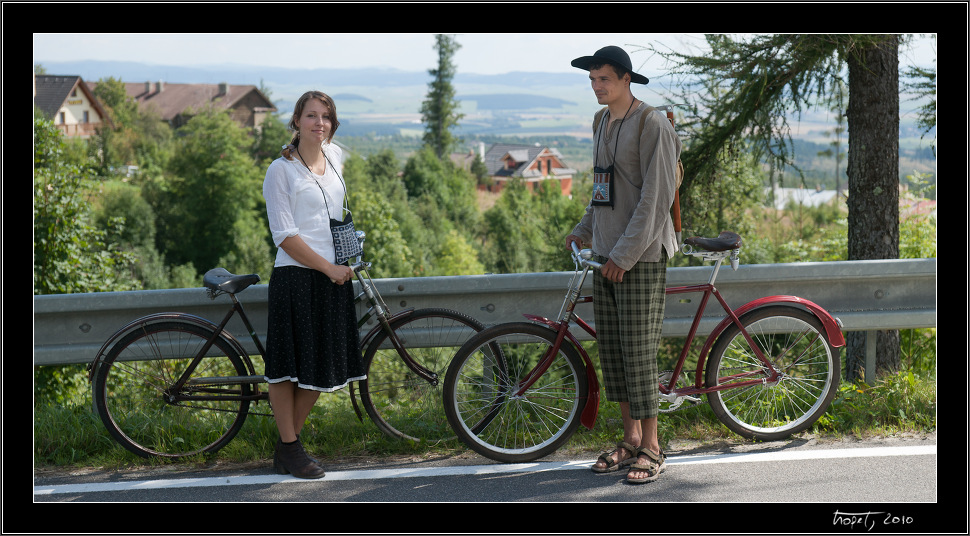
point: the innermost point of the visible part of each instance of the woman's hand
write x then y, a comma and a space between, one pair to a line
339, 273
296, 248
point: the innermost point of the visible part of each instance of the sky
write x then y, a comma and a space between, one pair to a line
480, 53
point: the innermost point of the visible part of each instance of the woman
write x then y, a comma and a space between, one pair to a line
312, 339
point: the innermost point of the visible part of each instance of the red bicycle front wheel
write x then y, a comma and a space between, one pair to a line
482, 400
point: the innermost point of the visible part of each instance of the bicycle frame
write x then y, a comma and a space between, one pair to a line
568, 316
368, 291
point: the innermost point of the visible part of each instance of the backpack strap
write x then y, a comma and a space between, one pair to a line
643, 117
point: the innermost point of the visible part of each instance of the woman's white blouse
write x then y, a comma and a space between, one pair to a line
295, 204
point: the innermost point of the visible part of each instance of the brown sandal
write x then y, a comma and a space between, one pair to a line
611, 464
656, 465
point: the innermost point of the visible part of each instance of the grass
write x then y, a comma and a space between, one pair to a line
68, 434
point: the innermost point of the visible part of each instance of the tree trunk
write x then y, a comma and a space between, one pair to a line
873, 180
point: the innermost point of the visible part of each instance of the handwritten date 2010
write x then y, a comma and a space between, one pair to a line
869, 520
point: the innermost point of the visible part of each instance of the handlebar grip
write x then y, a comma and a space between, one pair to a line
584, 259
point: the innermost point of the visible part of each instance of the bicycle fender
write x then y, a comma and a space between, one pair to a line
365, 342
588, 417
831, 325
159, 317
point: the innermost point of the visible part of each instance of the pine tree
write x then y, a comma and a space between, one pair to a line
438, 111
747, 89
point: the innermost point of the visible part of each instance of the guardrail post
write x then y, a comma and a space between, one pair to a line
870, 371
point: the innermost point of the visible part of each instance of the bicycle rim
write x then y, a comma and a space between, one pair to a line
400, 402
481, 397
133, 391
796, 344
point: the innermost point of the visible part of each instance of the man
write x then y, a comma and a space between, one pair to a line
629, 226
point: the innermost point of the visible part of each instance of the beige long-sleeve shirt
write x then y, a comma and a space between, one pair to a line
638, 227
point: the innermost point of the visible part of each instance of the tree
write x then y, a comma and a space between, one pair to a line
922, 82
748, 89
448, 186
524, 229
70, 254
873, 180
137, 137
438, 110
211, 197
271, 135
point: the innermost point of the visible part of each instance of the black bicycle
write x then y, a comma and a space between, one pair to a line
174, 384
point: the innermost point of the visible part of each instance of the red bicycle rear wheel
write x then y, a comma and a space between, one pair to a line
796, 344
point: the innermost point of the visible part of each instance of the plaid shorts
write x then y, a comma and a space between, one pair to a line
629, 319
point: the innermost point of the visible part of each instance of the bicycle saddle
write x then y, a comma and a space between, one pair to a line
724, 241
219, 279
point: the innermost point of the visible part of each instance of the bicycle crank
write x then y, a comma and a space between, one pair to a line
670, 402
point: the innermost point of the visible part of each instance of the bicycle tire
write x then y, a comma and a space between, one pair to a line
479, 393
797, 345
133, 384
402, 404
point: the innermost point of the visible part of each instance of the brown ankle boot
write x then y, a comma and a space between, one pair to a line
276, 458
291, 458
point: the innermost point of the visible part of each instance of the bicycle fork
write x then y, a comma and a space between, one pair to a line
561, 327
385, 319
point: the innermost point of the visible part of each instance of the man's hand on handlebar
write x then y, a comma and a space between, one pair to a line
572, 240
612, 272
609, 270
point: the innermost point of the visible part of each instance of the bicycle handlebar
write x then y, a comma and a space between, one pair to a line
584, 257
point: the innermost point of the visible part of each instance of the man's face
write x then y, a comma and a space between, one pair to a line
607, 87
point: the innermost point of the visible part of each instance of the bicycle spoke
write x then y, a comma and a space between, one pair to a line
400, 402
806, 366
135, 397
483, 386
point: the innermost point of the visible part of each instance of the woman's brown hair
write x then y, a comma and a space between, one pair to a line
298, 111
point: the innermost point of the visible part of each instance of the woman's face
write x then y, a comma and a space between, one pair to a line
314, 123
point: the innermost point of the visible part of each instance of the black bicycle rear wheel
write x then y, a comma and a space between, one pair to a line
401, 403
136, 400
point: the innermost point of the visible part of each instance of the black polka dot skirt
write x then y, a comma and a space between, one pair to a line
312, 336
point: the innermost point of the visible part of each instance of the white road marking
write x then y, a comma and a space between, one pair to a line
533, 467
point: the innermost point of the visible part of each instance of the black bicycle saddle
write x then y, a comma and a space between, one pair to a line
219, 279
724, 241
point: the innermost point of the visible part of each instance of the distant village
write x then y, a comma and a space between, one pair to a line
69, 102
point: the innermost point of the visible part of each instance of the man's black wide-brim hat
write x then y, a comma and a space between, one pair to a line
613, 55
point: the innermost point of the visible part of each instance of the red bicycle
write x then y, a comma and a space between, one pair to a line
515, 392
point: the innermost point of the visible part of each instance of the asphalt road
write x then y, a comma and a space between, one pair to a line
846, 486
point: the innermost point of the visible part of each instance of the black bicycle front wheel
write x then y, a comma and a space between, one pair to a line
482, 394
798, 347
136, 399
401, 403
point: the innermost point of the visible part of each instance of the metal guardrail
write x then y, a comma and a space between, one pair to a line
865, 295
